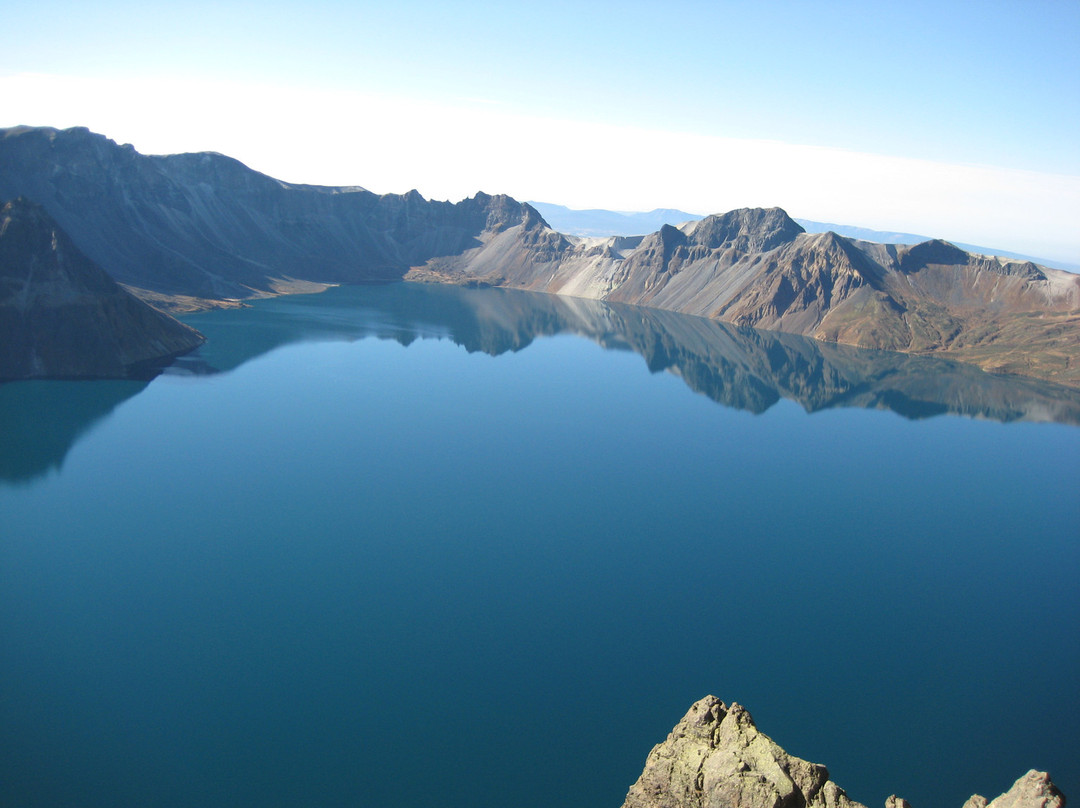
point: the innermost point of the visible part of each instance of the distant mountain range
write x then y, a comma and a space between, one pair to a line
203, 229
596, 222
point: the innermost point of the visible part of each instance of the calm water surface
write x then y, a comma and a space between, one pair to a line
404, 546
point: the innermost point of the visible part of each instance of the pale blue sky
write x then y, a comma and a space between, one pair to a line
391, 93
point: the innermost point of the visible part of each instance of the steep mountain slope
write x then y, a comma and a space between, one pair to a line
62, 316
758, 268
204, 225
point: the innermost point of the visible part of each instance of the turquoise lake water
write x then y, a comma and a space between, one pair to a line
406, 545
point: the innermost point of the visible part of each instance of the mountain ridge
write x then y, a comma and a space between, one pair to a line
205, 226
931, 298
601, 223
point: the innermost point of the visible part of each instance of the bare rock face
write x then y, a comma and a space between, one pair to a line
1033, 790
716, 758
207, 226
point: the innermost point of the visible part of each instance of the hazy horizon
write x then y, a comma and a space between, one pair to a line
918, 119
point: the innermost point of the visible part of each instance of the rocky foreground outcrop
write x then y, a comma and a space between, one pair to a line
717, 758
1033, 790
186, 228
62, 316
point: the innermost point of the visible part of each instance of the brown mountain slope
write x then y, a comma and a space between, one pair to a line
758, 268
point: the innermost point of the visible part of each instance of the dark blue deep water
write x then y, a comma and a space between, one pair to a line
410, 546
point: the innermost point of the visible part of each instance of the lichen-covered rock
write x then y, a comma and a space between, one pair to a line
1033, 790
716, 758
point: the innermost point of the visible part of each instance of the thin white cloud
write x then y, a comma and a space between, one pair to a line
449, 150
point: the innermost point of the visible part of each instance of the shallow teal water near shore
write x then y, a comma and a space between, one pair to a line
338, 559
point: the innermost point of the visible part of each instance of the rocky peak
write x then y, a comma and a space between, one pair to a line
1033, 790
746, 229
504, 211
1025, 270
716, 757
671, 238
934, 251
843, 256
533, 216
495, 213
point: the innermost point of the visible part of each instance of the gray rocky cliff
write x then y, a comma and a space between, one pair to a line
62, 316
716, 757
206, 226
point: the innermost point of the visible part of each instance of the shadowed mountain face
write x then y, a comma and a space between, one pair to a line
744, 368
203, 225
62, 316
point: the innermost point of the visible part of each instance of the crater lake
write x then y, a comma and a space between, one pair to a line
410, 545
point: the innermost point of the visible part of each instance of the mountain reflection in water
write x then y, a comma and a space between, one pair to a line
42, 420
738, 367
742, 368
